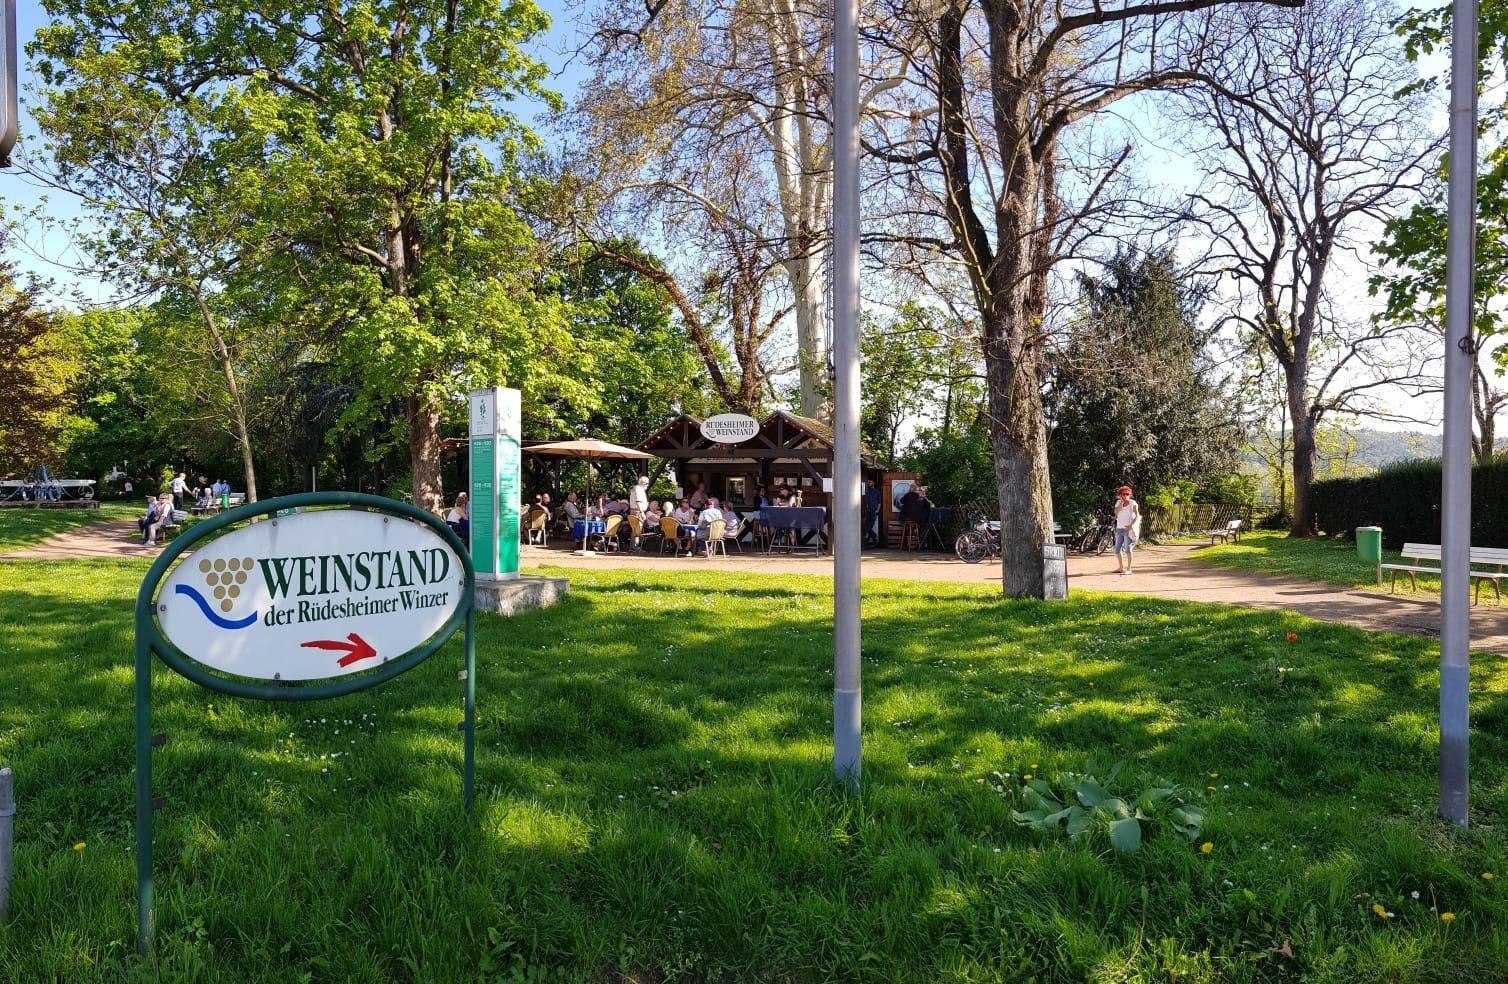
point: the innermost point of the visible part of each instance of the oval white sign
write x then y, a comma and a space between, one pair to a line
729, 428
310, 596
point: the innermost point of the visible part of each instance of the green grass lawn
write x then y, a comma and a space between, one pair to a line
1315, 559
655, 801
24, 527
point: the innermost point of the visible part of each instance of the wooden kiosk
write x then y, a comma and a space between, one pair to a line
787, 452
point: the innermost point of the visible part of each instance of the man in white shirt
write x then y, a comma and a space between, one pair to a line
638, 498
1127, 528
179, 486
708, 516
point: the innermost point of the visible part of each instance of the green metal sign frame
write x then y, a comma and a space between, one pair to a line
150, 640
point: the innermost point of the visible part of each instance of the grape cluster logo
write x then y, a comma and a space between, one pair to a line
224, 579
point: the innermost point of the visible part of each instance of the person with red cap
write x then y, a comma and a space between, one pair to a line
1127, 528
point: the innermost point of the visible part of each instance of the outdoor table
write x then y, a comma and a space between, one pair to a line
583, 529
795, 521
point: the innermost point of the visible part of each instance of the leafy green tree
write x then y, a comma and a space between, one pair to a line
1134, 399
642, 366
1412, 248
37, 371
375, 171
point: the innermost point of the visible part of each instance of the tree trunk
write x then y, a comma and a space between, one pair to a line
811, 331
424, 453
1303, 475
1018, 435
233, 390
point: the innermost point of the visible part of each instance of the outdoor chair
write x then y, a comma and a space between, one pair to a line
635, 530
731, 536
646, 535
715, 530
608, 538
670, 533
911, 535
539, 518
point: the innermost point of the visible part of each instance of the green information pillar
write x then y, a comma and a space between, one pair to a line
495, 433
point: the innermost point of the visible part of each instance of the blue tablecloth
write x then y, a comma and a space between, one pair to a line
794, 517
583, 528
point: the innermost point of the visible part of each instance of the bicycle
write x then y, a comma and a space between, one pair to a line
1097, 537
980, 542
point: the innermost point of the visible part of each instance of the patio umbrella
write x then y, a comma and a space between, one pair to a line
587, 448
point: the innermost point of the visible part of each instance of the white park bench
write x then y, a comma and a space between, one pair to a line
1230, 531
1416, 557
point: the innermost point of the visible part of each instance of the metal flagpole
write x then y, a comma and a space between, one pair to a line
1455, 493
847, 535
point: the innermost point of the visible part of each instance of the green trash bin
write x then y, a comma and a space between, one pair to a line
1369, 546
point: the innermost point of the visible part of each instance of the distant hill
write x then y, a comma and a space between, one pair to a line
1375, 448
1362, 452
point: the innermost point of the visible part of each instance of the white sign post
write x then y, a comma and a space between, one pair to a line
496, 432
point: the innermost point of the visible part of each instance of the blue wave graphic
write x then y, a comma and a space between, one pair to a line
209, 613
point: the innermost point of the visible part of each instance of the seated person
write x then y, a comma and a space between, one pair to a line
571, 509
160, 516
782, 497
652, 516
615, 507
733, 521
459, 517
204, 500
704, 521
685, 517
149, 522
699, 498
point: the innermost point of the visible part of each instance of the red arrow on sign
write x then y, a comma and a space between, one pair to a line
355, 651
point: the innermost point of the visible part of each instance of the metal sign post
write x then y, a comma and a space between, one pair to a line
1460, 351
388, 597
847, 511
10, 103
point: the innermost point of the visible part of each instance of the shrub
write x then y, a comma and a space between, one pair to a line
1404, 499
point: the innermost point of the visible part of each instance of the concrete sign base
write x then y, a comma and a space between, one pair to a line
521, 594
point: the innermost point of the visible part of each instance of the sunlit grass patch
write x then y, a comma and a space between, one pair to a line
655, 796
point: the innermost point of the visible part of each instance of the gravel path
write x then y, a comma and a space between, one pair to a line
1161, 571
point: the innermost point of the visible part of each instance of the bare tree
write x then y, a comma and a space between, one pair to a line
983, 139
686, 95
1309, 147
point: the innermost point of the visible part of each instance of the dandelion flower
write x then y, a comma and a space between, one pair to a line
1209, 789
1377, 907
1447, 917
1206, 847
1028, 776
79, 846
1487, 876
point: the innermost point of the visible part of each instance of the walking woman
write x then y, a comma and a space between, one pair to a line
1127, 528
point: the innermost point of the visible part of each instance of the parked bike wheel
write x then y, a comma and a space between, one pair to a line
1105, 542
972, 546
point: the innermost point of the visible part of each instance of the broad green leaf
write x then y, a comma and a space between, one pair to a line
1125, 835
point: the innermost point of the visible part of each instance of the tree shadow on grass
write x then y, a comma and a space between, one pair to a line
655, 785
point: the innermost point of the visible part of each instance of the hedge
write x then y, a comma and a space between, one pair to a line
1404, 499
